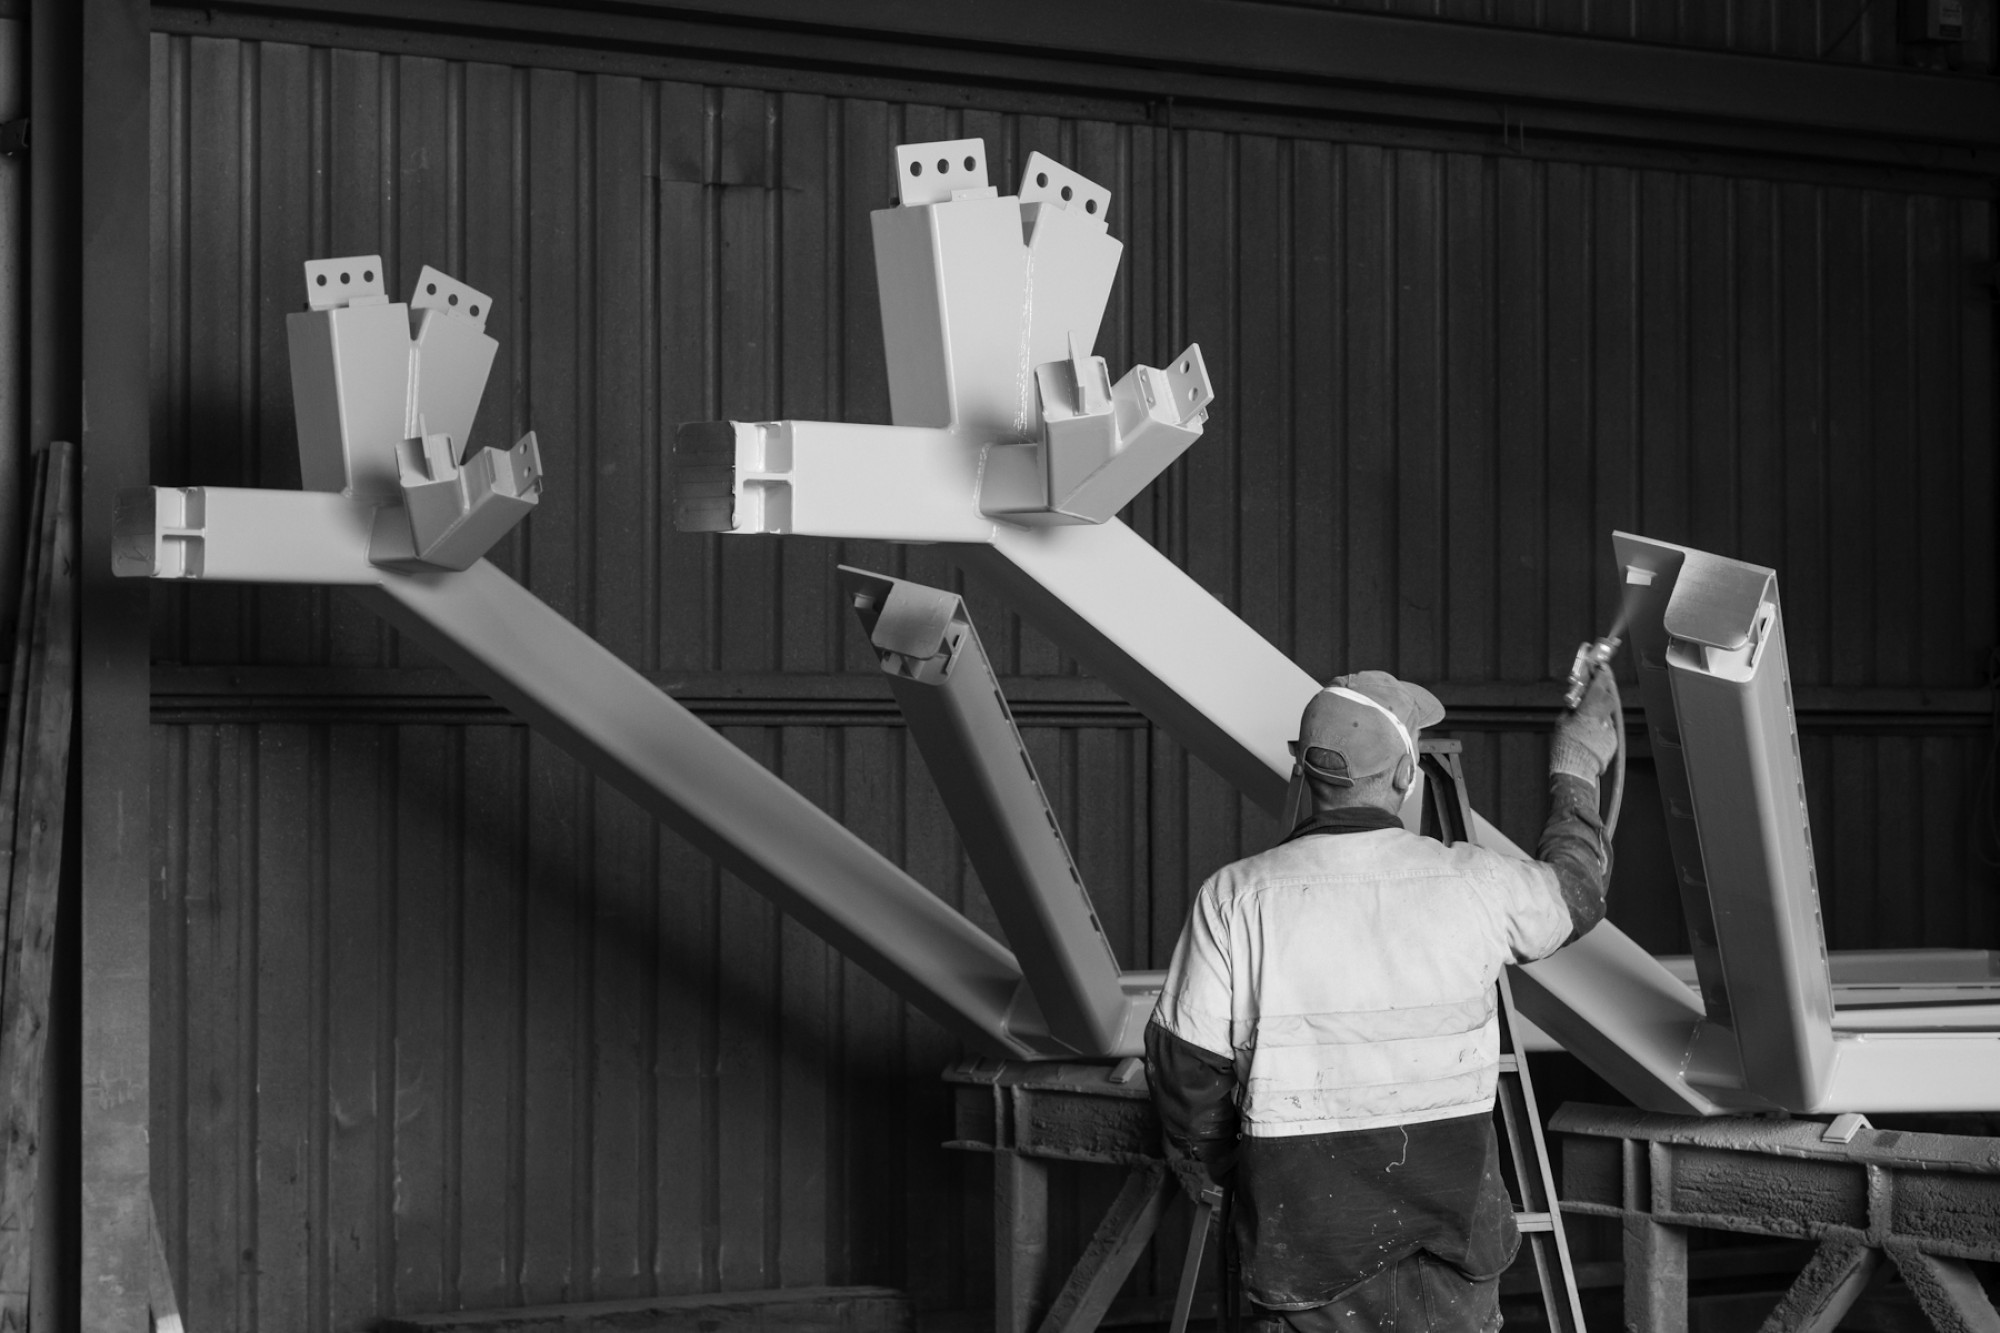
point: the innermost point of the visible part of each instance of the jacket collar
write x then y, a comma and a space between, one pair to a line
1347, 819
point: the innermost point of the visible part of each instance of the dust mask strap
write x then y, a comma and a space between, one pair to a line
1394, 721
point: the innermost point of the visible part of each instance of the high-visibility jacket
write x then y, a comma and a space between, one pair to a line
1352, 978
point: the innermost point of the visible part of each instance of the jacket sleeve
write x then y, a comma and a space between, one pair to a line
1194, 1092
1573, 845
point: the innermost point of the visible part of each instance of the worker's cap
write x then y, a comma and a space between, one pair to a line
1360, 725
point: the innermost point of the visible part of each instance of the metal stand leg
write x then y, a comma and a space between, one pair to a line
1948, 1291
1021, 1230
1656, 1276
1121, 1237
1828, 1286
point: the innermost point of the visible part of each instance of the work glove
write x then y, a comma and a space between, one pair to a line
1586, 739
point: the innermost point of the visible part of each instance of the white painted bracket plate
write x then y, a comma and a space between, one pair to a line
936, 173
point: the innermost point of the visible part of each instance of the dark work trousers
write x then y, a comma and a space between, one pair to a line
1419, 1294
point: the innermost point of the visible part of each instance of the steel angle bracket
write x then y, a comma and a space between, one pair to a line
945, 685
1709, 637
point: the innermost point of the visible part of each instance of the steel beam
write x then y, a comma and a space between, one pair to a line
1709, 639
944, 684
501, 637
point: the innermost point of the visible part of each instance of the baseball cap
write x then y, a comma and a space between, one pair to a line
1359, 725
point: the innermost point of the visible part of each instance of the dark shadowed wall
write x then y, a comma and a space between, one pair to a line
441, 1022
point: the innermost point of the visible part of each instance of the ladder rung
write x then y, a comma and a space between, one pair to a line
1534, 1222
1509, 1065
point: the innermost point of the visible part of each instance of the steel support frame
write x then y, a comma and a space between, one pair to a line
1926, 1202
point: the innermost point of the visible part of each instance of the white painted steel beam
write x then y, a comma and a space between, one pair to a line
577, 692
945, 685
1710, 639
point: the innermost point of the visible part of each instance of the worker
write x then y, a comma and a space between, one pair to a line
1327, 1042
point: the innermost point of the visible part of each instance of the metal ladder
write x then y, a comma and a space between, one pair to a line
1448, 817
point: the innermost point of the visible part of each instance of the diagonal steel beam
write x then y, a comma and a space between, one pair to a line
944, 684
503, 638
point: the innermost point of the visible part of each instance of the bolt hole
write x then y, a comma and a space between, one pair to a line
943, 166
430, 289
475, 310
916, 168
1185, 367
971, 164
452, 299
344, 279
1042, 179
1090, 206
1065, 193
321, 280
368, 275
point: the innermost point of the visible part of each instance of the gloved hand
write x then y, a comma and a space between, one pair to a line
1586, 740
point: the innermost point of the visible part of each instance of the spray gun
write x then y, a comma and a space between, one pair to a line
1591, 658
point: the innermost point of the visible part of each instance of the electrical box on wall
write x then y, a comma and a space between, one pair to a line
1933, 20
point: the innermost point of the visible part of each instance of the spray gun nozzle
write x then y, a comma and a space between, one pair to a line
1591, 658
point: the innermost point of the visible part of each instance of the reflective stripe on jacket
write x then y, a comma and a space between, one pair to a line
1351, 977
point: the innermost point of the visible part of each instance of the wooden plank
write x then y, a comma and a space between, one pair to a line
492, 896
745, 1069
1419, 378
1469, 595
1853, 538
1520, 521
287, 1057
798, 1310
624, 932
1939, 386
684, 1000
1576, 545
111, 403
554, 1113
556, 296
747, 363
1711, 456
685, 589
871, 1190
35, 874
1258, 403
424, 980
1319, 584
1614, 389
30, 606
1892, 439
219, 885
808, 998
1368, 331
356, 1240
1759, 371
1664, 503
1802, 315
1976, 425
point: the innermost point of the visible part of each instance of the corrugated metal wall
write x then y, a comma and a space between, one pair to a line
1844, 30
444, 1023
